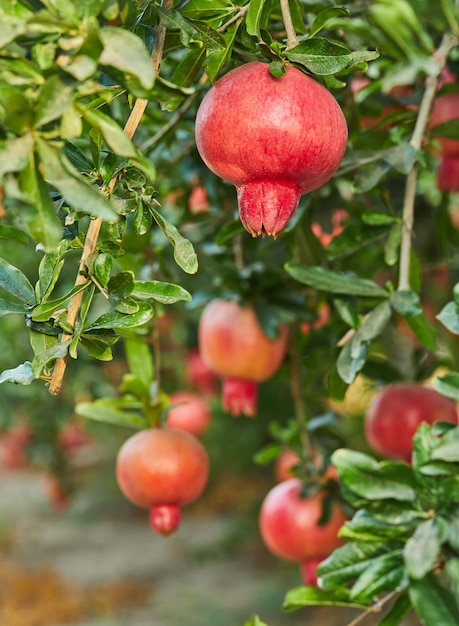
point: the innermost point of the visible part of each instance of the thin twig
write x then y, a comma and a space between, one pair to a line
242, 11
292, 39
422, 121
92, 235
170, 124
376, 608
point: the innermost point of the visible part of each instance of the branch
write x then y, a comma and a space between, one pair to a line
422, 121
92, 235
292, 39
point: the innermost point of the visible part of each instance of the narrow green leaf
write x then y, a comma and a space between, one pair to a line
312, 596
15, 154
58, 351
335, 282
44, 311
121, 321
55, 97
323, 18
320, 56
127, 53
254, 16
351, 360
422, 549
13, 233
6, 306
217, 59
16, 283
103, 266
448, 385
184, 253
120, 286
140, 360
196, 30
113, 411
398, 611
450, 12
433, 603
78, 192
372, 325
254, 620
447, 448
449, 129
166, 293
392, 245
385, 573
20, 375
189, 67
96, 347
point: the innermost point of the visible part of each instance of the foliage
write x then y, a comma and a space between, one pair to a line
101, 248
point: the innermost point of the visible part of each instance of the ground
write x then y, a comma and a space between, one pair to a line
99, 564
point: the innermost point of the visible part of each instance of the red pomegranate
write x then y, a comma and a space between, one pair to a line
395, 414
445, 109
285, 462
233, 345
275, 139
198, 201
189, 412
198, 375
309, 570
162, 469
289, 523
448, 173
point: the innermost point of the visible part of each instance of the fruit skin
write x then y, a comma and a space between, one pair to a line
285, 462
198, 375
162, 467
448, 173
233, 345
446, 108
275, 139
289, 523
395, 414
191, 414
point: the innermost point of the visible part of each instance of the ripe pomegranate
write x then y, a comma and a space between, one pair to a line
198, 375
275, 139
13, 447
192, 412
309, 570
289, 523
162, 469
198, 201
72, 437
233, 345
395, 414
448, 173
446, 108
284, 464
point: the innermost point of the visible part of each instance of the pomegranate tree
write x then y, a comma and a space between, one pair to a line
162, 469
233, 345
289, 525
395, 414
275, 139
190, 412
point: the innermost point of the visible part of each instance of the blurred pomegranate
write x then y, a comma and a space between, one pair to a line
198, 375
198, 201
13, 447
233, 345
191, 412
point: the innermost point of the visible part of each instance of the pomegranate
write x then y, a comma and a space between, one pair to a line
289, 524
233, 345
448, 173
13, 447
198, 375
285, 462
162, 469
395, 414
446, 108
191, 413
198, 201
275, 139
309, 570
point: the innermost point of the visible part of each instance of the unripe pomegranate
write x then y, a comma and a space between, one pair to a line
289, 523
448, 173
191, 413
233, 345
162, 469
275, 139
395, 414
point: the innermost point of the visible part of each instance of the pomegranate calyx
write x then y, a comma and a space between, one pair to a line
165, 518
239, 396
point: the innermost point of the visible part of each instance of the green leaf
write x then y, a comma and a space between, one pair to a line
6, 306
334, 282
16, 283
189, 67
398, 611
366, 527
140, 360
312, 596
41, 360
44, 311
217, 59
127, 53
119, 287
15, 154
113, 411
449, 129
432, 602
448, 385
78, 192
55, 97
372, 325
49, 271
392, 245
448, 447
323, 18
13, 233
98, 346
324, 57
103, 266
17, 111
449, 317
166, 293
450, 12
184, 253
372, 480
254, 16
20, 375
254, 620
351, 360
121, 321
384, 573
378, 219
197, 31
422, 549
